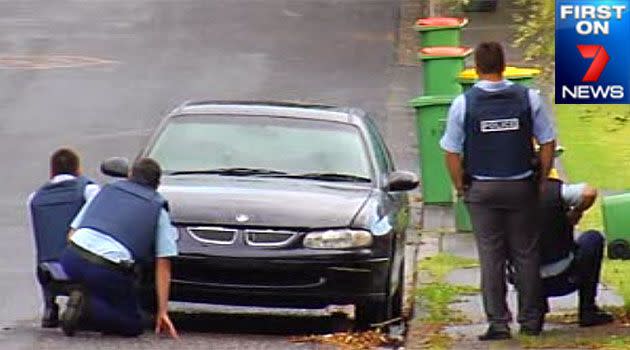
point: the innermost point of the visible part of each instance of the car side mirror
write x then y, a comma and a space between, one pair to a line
399, 181
115, 167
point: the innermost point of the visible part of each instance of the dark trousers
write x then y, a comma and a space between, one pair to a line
503, 215
112, 297
47, 294
584, 273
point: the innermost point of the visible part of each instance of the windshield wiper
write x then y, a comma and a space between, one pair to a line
230, 172
329, 177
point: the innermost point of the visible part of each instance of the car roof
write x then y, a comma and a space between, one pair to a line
284, 109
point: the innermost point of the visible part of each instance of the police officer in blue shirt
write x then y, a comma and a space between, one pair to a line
567, 264
492, 163
51, 209
125, 225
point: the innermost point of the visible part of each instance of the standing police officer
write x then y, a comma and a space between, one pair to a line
491, 160
569, 265
124, 226
52, 208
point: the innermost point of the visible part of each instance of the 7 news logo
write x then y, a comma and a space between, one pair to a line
592, 53
586, 92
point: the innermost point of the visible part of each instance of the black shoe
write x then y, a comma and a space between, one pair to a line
73, 314
533, 329
51, 317
496, 333
594, 317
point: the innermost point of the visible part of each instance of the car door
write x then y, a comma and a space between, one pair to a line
395, 204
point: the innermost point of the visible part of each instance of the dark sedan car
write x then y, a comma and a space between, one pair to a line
283, 205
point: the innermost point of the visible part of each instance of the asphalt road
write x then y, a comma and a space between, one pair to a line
97, 75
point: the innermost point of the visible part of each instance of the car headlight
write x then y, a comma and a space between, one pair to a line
338, 239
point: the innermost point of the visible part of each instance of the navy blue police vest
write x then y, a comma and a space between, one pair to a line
53, 208
498, 132
127, 212
556, 239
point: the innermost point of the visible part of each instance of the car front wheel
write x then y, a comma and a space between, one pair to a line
368, 314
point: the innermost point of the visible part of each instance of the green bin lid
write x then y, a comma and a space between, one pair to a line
437, 52
424, 101
436, 23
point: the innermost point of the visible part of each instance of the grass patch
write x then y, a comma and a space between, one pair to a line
441, 265
596, 139
436, 298
615, 273
561, 339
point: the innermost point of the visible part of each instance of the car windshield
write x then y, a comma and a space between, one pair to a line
266, 145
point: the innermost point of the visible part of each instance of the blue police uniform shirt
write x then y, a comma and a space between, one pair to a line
107, 247
453, 139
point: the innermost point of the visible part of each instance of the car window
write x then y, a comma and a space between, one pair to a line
295, 146
382, 154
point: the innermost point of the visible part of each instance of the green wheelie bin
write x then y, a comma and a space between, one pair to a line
526, 76
441, 66
431, 114
440, 31
462, 217
615, 209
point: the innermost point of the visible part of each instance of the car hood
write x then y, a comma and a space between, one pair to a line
262, 202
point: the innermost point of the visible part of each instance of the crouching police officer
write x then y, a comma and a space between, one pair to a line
52, 208
124, 225
569, 265
490, 157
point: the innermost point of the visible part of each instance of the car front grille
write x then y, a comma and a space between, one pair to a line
268, 238
251, 237
213, 235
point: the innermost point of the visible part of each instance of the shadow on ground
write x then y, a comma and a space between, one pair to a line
260, 324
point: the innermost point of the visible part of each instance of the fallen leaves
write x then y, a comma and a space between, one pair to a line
351, 340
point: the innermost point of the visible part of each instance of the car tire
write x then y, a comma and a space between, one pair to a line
398, 299
369, 314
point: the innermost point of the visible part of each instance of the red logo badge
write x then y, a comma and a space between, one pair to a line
600, 59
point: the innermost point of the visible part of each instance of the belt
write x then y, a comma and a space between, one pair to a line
525, 179
124, 266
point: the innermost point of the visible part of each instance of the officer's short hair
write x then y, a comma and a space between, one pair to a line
64, 161
146, 171
489, 58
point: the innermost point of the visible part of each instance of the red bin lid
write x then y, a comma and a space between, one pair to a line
445, 51
441, 22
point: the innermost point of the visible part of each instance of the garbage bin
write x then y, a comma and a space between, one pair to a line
462, 217
440, 31
526, 76
615, 209
431, 114
441, 66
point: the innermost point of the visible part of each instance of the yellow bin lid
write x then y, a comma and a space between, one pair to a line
510, 72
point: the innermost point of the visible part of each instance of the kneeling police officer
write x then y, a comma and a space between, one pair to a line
126, 224
569, 265
52, 208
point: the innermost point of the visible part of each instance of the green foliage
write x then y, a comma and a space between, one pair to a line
435, 299
442, 264
535, 34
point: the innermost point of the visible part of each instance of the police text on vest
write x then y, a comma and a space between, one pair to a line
500, 125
